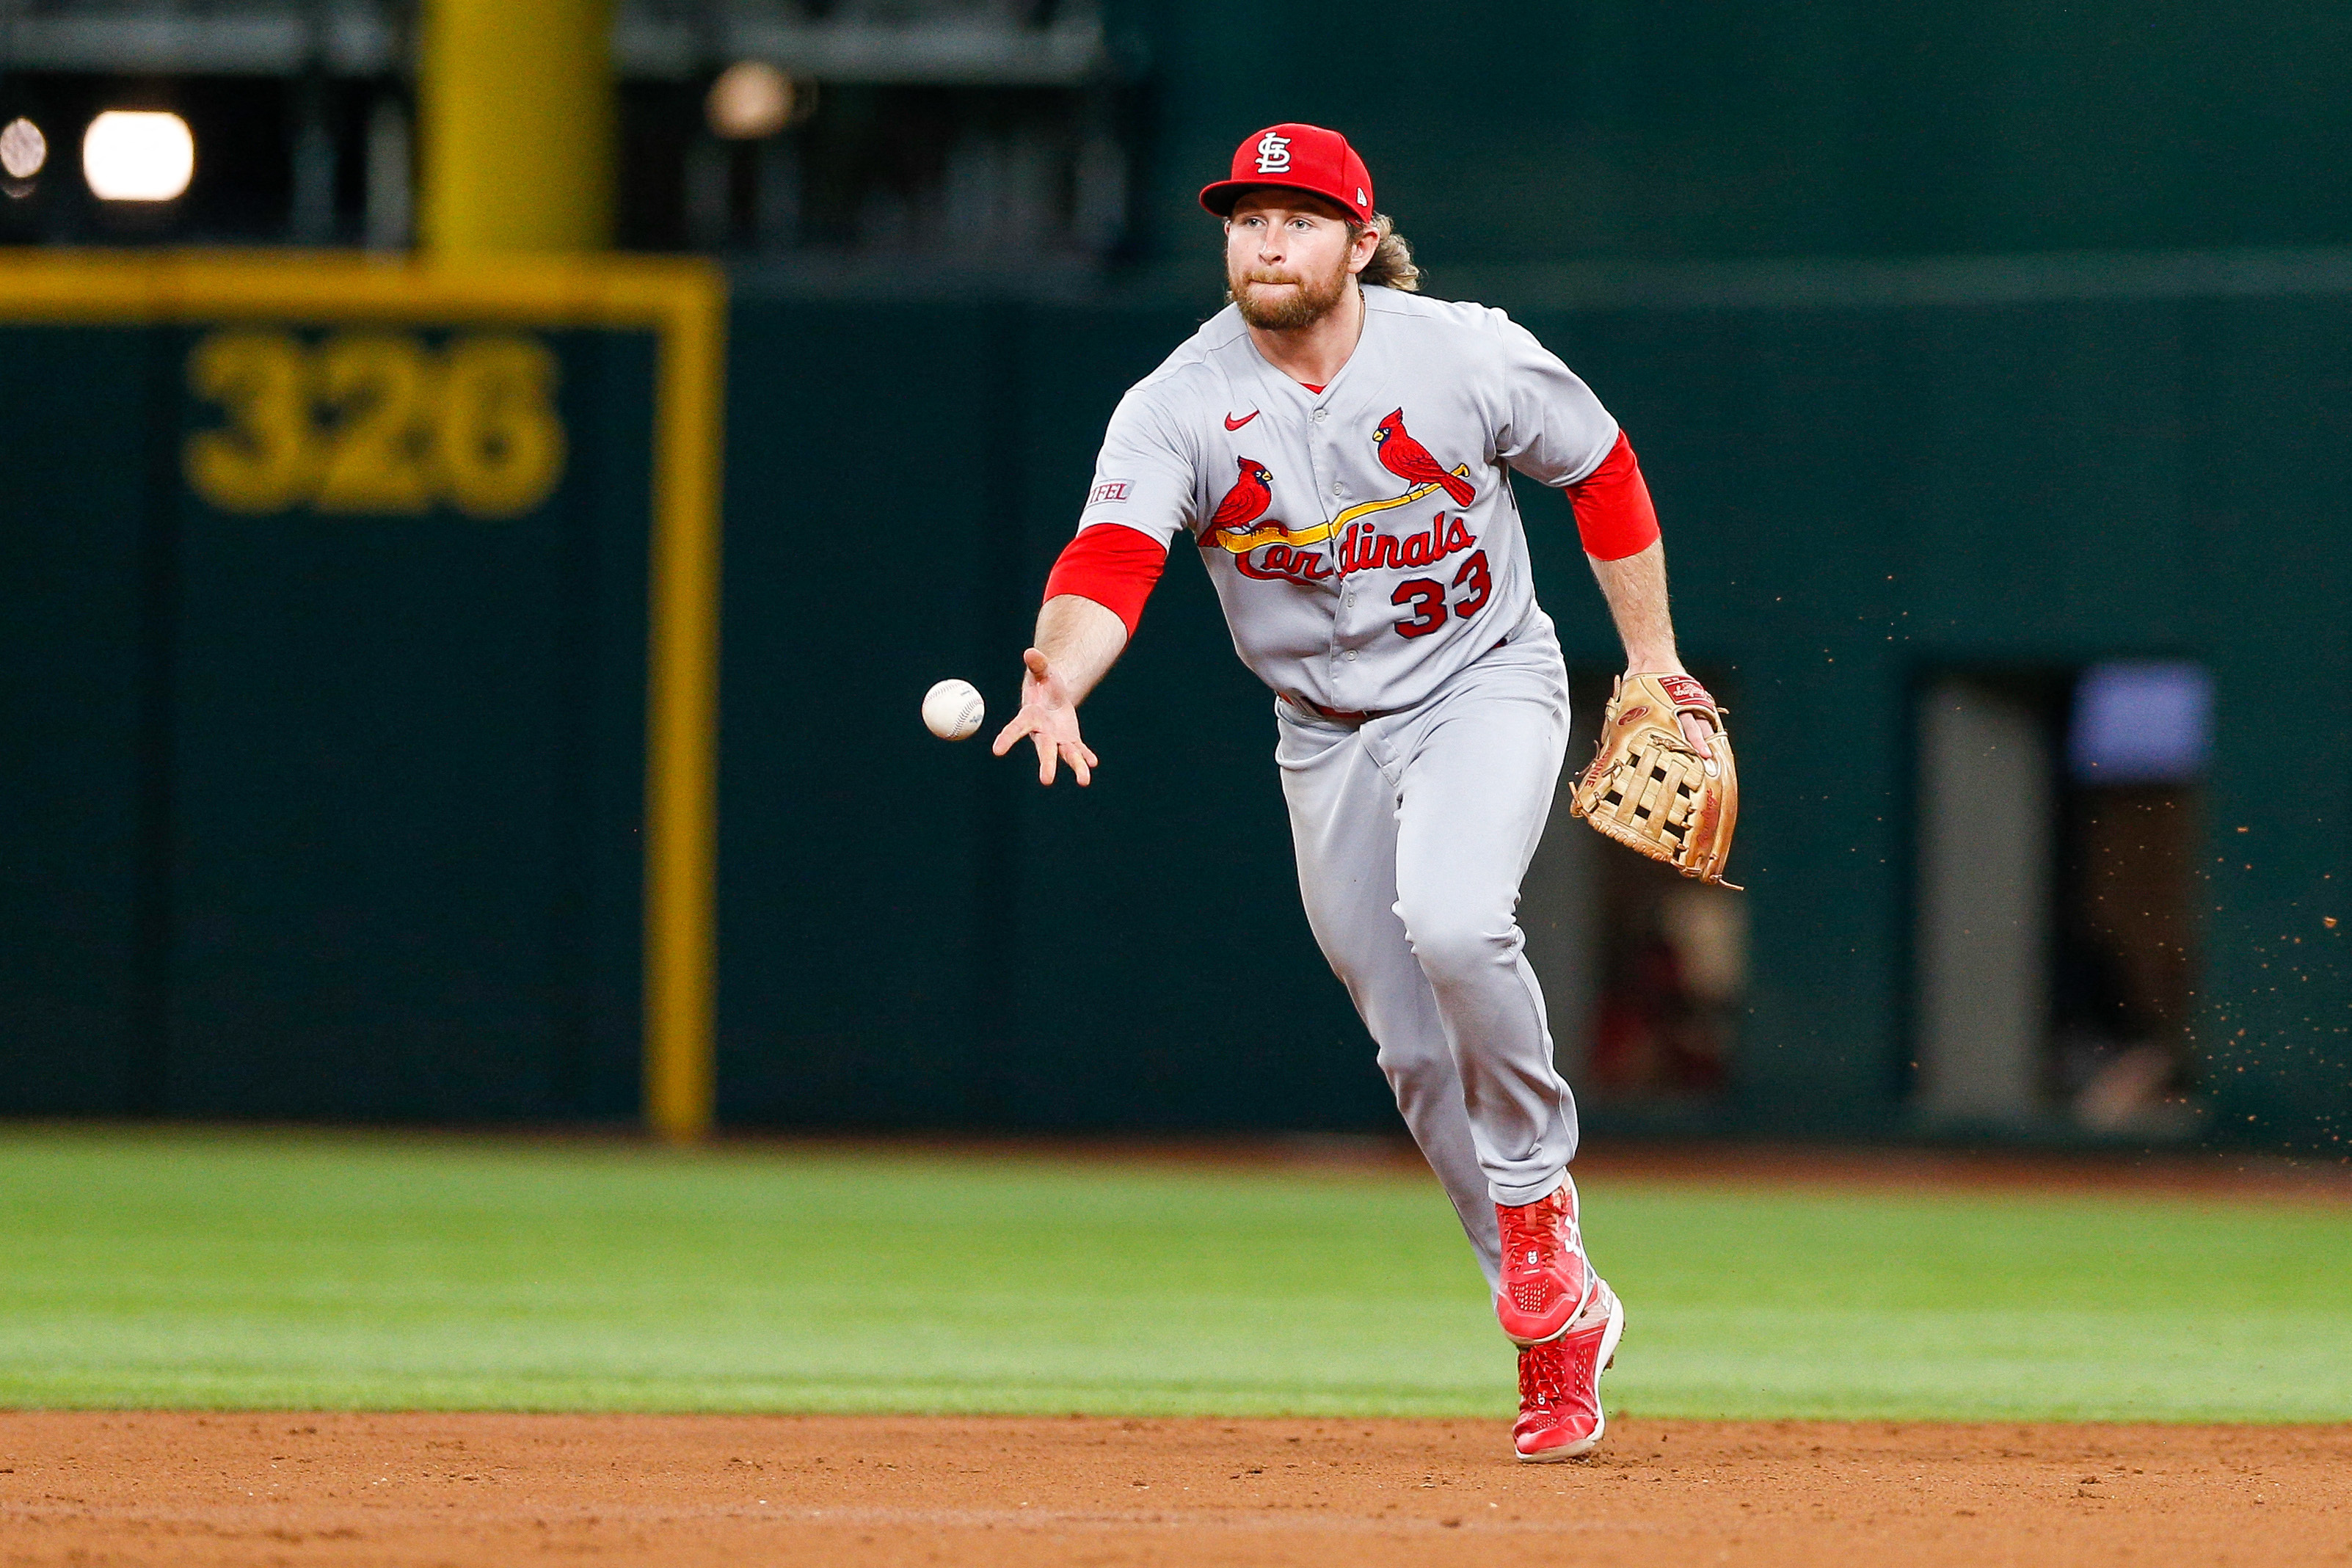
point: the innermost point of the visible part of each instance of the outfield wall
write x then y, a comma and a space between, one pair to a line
356, 663
321, 813
1898, 472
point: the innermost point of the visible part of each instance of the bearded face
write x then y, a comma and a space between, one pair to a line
1282, 299
1282, 273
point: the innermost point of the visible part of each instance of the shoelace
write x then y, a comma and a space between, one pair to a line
1524, 1232
1543, 1377
1528, 1251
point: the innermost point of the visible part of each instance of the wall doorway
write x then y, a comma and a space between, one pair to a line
2056, 942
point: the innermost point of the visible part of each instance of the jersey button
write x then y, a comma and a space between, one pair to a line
1319, 415
1350, 655
1338, 488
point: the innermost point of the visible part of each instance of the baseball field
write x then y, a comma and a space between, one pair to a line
250, 1346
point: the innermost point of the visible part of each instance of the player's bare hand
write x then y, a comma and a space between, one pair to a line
1050, 719
1699, 730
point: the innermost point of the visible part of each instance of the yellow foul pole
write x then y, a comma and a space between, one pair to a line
516, 120
682, 729
515, 100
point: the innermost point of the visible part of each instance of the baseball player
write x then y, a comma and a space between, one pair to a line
1335, 449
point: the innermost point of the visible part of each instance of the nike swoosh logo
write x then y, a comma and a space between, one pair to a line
1233, 424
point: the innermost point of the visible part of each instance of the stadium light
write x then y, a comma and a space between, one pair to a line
23, 149
138, 156
753, 98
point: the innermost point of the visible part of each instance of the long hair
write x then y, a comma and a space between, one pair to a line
1392, 265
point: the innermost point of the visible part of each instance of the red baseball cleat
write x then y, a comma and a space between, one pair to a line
1546, 1283
1560, 1385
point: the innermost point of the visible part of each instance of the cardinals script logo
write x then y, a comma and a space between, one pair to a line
1241, 527
1273, 154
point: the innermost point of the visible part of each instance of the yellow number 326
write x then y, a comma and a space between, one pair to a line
376, 423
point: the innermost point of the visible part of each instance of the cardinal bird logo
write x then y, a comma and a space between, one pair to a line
1409, 460
1245, 504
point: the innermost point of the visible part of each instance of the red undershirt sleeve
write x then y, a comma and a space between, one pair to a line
1112, 564
1614, 515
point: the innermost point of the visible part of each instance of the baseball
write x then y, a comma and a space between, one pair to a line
952, 709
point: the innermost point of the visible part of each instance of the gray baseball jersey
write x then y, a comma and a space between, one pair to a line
1374, 570
1364, 539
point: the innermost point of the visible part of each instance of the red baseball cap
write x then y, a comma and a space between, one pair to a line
1298, 158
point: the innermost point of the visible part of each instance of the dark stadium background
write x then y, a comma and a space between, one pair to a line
1981, 357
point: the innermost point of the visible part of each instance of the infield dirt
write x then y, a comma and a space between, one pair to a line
92, 1487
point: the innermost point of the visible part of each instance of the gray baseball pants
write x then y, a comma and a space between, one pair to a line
1412, 831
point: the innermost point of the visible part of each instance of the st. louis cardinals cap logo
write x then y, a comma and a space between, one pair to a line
1302, 157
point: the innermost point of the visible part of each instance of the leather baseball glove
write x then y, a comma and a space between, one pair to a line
1649, 790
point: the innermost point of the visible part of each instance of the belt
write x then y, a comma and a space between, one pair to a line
1351, 715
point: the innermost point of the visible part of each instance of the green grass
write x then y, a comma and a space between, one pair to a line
277, 1270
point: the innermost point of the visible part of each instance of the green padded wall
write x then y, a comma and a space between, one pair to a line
336, 816
908, 935
1856, 498
321, 812
77, 910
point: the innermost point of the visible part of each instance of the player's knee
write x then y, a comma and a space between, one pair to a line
1414, 1063
1454, 943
